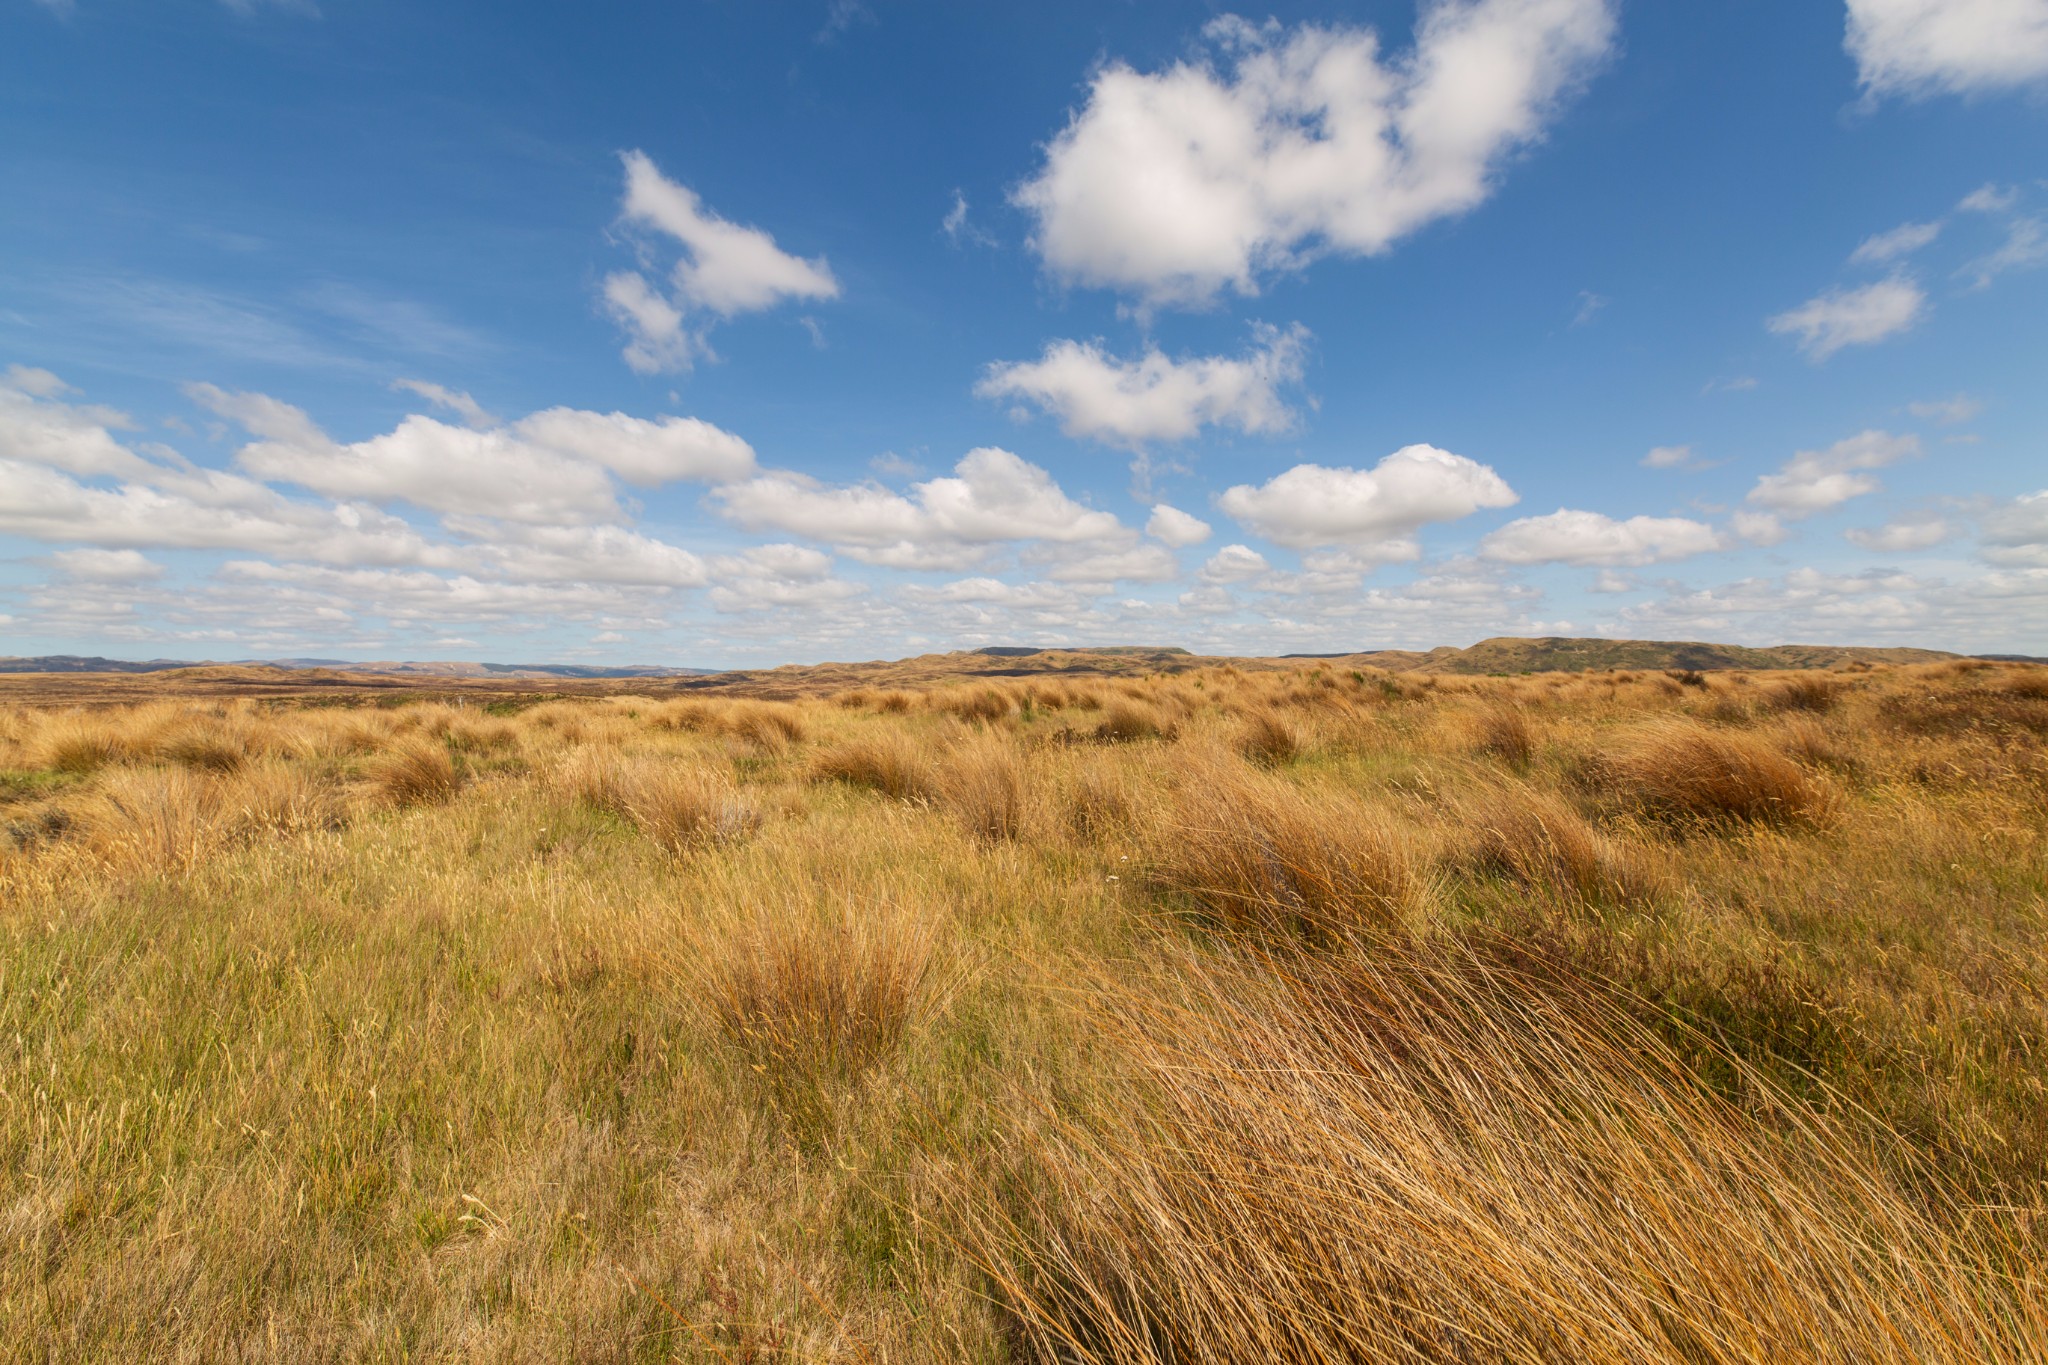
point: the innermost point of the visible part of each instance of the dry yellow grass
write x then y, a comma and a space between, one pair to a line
1241, 1014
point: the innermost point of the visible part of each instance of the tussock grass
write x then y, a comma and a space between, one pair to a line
1253, 852
1505, 733
1376, 1047
1815, 692
772, 726
1408, 1155
1543, 844
1128, 719
890, 763
984, 784
416, 771
81, 744
812, 1002
1681, 769
1270, 739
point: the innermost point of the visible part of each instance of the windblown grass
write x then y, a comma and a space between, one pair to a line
1239, 1014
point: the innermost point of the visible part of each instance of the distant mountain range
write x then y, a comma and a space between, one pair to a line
1505, 654
1559, 654
76, 663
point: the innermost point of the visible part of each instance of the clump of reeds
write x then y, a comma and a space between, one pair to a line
416, 771
891, 763
1255, 852
1682, 769
1407, 1154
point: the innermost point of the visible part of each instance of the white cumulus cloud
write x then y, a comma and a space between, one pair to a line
993, 496
1171, 526
1817, 480
2017, 532
725, 269
1177, 184
106, 566
1378, 509
1578, 537
1923, 47
1131, 403
1913, 531
1853, 317
1234, 564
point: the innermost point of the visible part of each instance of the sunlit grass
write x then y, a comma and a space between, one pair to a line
1232, 1015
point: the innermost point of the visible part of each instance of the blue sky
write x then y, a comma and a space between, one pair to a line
722, 333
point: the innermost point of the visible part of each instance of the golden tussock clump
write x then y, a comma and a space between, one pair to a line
813, 1000
1406, 1153
1812, 692
1126, 720
154, 819
988, 704
890, 762
205, 743
1099, 798
1505, 734
1538, 841
273, 796
82, 744
772, 726
1255, 852
1679, 768
416, 771
983, 783
678, 804
682, 806
1268, 739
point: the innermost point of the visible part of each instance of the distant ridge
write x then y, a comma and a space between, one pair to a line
1564, 654
77, 663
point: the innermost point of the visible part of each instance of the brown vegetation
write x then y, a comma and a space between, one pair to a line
1237, 1013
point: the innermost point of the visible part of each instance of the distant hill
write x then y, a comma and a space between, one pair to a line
74, 663
1559, 654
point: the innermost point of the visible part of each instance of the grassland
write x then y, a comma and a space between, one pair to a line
1284, 1014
